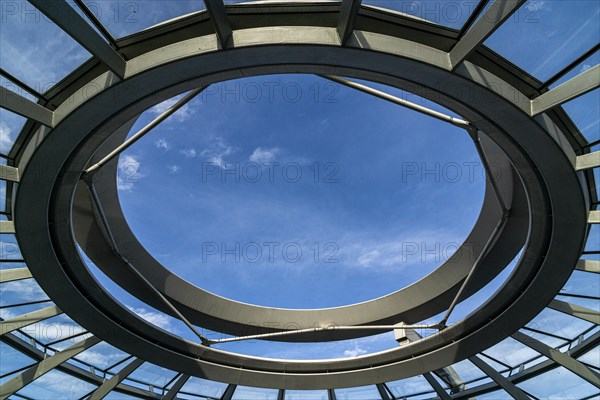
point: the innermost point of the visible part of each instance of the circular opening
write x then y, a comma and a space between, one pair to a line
296, 192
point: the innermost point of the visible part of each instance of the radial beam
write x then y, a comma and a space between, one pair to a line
218, 15
574, 87
18, 104
401, 102
14, 274
381, 388
228, 394
436, 386
63, 15
347, 18
594, 217
27, 319
45, 366
499, 11
560, 358
587, 161
176, 387
104, 389
592, 266
9, 173
576, 311
504, 383
7, 227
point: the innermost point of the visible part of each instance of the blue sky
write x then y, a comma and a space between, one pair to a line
374, 196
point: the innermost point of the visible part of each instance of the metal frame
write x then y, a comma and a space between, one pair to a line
578, 88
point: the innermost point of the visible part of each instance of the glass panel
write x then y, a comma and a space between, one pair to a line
9, 249
56, 328
580, 283
592, 357
511, 352
2, 195
102, 356
10, 126
452, 14
588, 63
306, 395
543, 37
497, 395
122, 18
152, 375
411, 386
358, 393
57, 385
585, 113
253, 393
468, 372
12, 360
202, 387
23, 291
559, 383
559, 324
34, 49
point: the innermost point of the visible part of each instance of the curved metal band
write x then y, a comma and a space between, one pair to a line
554, 197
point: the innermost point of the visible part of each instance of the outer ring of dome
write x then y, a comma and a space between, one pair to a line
554, 196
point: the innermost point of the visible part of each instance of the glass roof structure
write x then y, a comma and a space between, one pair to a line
252, 200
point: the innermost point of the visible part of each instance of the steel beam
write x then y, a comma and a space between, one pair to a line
63, 15
18, 104
348, 13
113, 382
27, 319
228, 394
592, 266
9, 173
45, 366
14, 274
504, 383
7, 227
594, 217
499, 11
576, 311
383, 391
436, 386
218, 15
176, 387
574, 87
586, 161
560, 358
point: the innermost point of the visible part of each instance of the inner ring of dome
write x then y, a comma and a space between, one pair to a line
305, 194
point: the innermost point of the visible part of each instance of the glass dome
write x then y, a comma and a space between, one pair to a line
183, 185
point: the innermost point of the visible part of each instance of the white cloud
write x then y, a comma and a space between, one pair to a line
156, 318
128, 173
173, 169
534, 5
355, 352
585, 67
180, 115
261, 155
189, 152
6, 140
162, 144
25, 290
217, 150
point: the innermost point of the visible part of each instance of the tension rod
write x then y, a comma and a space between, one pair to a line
115, 248
321, 329
139, 134
484, 251
401, 102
